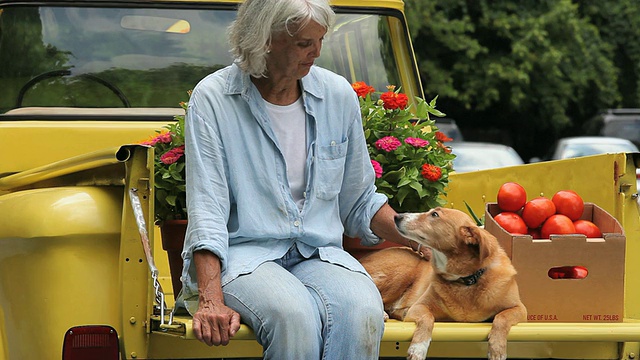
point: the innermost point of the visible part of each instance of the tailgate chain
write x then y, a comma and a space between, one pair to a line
144, 237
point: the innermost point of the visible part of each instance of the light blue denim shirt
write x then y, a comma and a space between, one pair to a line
239, 202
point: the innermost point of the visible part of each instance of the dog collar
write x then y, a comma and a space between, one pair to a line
471, 279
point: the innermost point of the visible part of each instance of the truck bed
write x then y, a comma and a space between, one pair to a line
608, 180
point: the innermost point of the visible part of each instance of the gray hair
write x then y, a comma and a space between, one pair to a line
258, 20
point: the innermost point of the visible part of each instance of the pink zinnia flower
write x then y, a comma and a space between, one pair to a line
388, 143
172, 155
163, 138
417, 142
377, 168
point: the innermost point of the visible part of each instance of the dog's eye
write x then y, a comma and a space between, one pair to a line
435, 214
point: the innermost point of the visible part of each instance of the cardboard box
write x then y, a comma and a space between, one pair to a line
599, 297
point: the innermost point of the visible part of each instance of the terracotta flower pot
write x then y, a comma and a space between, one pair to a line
173, 232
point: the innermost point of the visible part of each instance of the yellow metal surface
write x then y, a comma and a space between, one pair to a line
398, 331
92, 160
52, 211
59, 263
453, 340
52, 283
136, 284
44, 142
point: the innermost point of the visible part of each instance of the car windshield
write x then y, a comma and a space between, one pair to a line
150, 57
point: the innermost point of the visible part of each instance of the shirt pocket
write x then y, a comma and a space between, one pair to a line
330, 162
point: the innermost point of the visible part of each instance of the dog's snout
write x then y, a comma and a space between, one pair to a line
397, 219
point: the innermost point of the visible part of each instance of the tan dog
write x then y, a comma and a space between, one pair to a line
469, 278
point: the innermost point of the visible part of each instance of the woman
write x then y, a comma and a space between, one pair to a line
277, 171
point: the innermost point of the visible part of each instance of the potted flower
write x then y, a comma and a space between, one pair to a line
407, 151
170, 192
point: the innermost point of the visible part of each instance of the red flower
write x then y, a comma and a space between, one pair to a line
362, 89
377, 168
431, 172
388, 143
172, 155
392, 100
446, 149
440, 136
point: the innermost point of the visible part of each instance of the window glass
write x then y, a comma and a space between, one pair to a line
142, 57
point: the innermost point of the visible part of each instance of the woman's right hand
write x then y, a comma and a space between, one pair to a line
215, 323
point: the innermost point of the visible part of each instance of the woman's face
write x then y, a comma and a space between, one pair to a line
292, 57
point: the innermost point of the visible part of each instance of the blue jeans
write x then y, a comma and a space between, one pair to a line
309, 309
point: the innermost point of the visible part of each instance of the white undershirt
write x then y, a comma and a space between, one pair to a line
289, 124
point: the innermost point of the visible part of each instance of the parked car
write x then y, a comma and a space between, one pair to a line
450, 128
472, 156
620, 123
572, 147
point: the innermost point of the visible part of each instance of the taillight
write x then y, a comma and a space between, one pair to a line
95, 342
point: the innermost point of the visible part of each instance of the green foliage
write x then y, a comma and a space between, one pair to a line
519, 73
412, 164
619, 24
169, 171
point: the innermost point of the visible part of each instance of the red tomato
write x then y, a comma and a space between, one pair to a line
537, 210
568, 203
511, 222
557, 224
535, 233
568, 272
588, 228
511, 197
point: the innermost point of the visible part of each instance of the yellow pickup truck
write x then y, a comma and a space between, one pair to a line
82, 274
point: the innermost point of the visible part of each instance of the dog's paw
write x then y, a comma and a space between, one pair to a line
418, 351
497, 357
497, 351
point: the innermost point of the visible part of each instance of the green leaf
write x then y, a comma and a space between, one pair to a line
473, 215
171, 200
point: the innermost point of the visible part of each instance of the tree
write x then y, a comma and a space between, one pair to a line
519, 73
619, 25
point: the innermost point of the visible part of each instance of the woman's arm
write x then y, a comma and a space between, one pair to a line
214, 323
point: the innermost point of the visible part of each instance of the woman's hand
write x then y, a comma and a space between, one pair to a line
215, 323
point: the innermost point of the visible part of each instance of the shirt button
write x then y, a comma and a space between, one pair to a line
296, 223
333, 143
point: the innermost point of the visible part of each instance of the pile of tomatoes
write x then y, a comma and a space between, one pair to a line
541, 217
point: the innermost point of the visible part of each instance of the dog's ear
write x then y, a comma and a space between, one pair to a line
474, 235
470, 235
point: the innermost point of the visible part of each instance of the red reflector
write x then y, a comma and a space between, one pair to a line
95, 342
